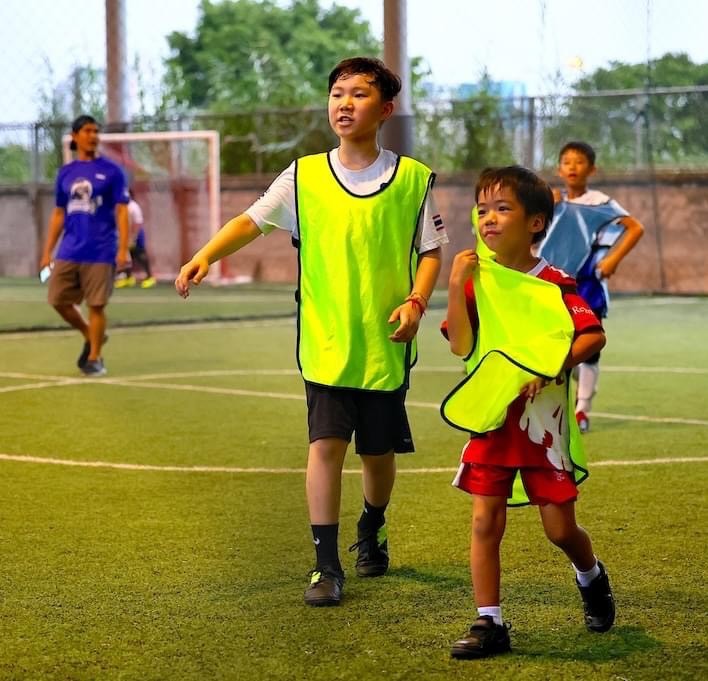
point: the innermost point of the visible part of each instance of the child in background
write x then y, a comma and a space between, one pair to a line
368, 239
138, 251
576, 164
515, 208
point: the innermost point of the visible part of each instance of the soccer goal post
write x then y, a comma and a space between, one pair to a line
175, 179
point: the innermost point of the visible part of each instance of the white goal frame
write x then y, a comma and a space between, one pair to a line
211, 137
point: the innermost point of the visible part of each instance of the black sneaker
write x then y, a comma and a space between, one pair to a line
83, 357
372, 556
598, 602
485, 638
325, 587
94, 368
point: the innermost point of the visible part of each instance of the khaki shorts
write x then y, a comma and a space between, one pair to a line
73, 282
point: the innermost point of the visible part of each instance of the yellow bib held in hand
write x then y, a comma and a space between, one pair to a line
524, 331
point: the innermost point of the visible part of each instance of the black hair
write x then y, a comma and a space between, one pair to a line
581, 147
533, 193
79, 123
385, 80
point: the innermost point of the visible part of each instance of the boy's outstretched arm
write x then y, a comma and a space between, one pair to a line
235, 234
459, 327
409, 313
633, 231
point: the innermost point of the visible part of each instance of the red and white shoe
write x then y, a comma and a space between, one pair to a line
583, 421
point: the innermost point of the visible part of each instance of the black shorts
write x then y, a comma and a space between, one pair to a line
377, 419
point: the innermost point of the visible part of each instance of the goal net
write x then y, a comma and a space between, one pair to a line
175, 179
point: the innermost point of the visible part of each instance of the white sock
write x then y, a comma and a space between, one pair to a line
584, 578
588, 375
494, 611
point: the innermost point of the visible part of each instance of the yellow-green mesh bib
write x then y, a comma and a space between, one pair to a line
357, 263
525, 330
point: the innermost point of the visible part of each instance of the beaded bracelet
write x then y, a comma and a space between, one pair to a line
417, 304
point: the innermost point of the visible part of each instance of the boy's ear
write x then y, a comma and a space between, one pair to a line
386, 110
538, 222
592, 170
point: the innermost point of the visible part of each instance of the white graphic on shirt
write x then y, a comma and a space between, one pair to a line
80, 197
545, 422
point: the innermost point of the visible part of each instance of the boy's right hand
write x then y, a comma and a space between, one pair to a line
194, 271
463, 266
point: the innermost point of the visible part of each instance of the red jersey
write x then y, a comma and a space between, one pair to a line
535, 432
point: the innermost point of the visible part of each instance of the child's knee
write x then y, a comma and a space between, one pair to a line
487, 526
327, 449
561, 535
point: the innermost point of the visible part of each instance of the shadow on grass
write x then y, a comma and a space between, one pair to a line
618, 643
433, 578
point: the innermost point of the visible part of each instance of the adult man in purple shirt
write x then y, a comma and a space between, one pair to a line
92, 212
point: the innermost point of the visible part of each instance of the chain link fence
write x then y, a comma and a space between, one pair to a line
631, 131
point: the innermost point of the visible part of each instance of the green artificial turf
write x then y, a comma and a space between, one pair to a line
159, 574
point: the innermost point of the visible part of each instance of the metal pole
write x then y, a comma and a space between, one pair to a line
116, 66
397, 132
531, 123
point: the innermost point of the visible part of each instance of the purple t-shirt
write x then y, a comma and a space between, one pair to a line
89, 191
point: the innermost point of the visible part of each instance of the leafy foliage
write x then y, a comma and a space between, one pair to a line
468, 133
246, 55
14, 164
624, 127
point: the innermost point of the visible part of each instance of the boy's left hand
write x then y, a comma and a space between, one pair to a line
606, 267
409, 318
534, 387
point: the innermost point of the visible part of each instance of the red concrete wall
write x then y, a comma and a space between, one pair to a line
679, 201
670, 258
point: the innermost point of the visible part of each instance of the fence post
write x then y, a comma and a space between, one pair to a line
530, 160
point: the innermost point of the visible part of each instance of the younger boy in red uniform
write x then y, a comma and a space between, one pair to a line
515, 208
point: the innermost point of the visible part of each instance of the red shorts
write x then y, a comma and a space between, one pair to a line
543, 485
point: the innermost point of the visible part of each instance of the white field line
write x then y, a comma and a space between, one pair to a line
293, 372
649, 419
280, 471
199, 297
157, 328
138, 382
650, 302
196, 298
207, 389
36, 386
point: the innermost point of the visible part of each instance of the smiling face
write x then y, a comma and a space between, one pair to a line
504, 225
574, 168
355, 108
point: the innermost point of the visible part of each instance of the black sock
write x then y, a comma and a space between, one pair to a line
143, 260
372, 517
325, 539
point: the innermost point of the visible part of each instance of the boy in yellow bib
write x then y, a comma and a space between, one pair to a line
528, 437
368, 238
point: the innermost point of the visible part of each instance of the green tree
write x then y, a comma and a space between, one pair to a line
624, 127
246, 54
14, 164
82, 92
262, 66
469, 133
